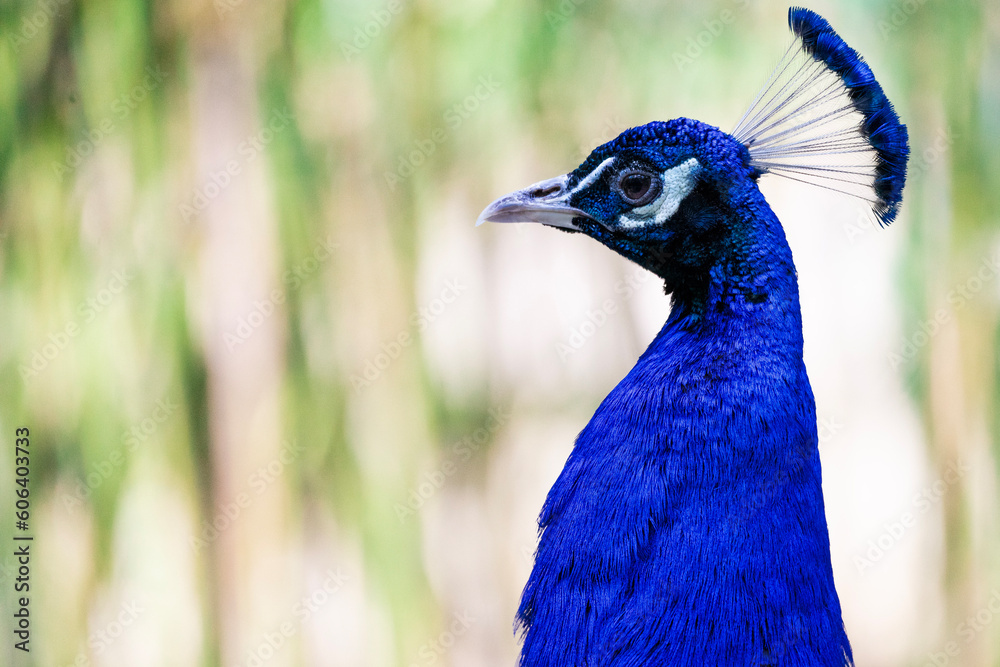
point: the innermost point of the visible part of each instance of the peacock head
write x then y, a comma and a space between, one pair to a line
673, 195
659, 194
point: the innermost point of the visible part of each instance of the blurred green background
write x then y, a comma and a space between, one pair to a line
288, 406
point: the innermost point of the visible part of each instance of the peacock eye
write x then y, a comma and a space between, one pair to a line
638, 187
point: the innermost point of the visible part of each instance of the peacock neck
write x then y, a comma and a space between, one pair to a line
700, 471
750, 283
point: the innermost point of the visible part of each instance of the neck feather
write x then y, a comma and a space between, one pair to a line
693, 498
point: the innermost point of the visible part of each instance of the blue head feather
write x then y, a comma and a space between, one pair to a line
881, 125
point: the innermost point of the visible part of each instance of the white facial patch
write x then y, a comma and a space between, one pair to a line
678, 182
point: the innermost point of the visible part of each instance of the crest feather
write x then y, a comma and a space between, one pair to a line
822, 118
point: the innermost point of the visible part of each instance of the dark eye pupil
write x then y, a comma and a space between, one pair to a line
634, 186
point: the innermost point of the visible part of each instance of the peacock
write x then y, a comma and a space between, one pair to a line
687, 528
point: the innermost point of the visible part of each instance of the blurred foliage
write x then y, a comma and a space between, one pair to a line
399, 109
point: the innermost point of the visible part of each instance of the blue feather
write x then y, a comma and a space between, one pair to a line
881, 123
823, 118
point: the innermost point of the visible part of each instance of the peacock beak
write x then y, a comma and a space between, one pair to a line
543, 202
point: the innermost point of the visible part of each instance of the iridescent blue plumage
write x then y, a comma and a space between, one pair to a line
687, 528
823, 118
881, 125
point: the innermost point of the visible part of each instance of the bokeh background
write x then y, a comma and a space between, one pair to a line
288, 406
